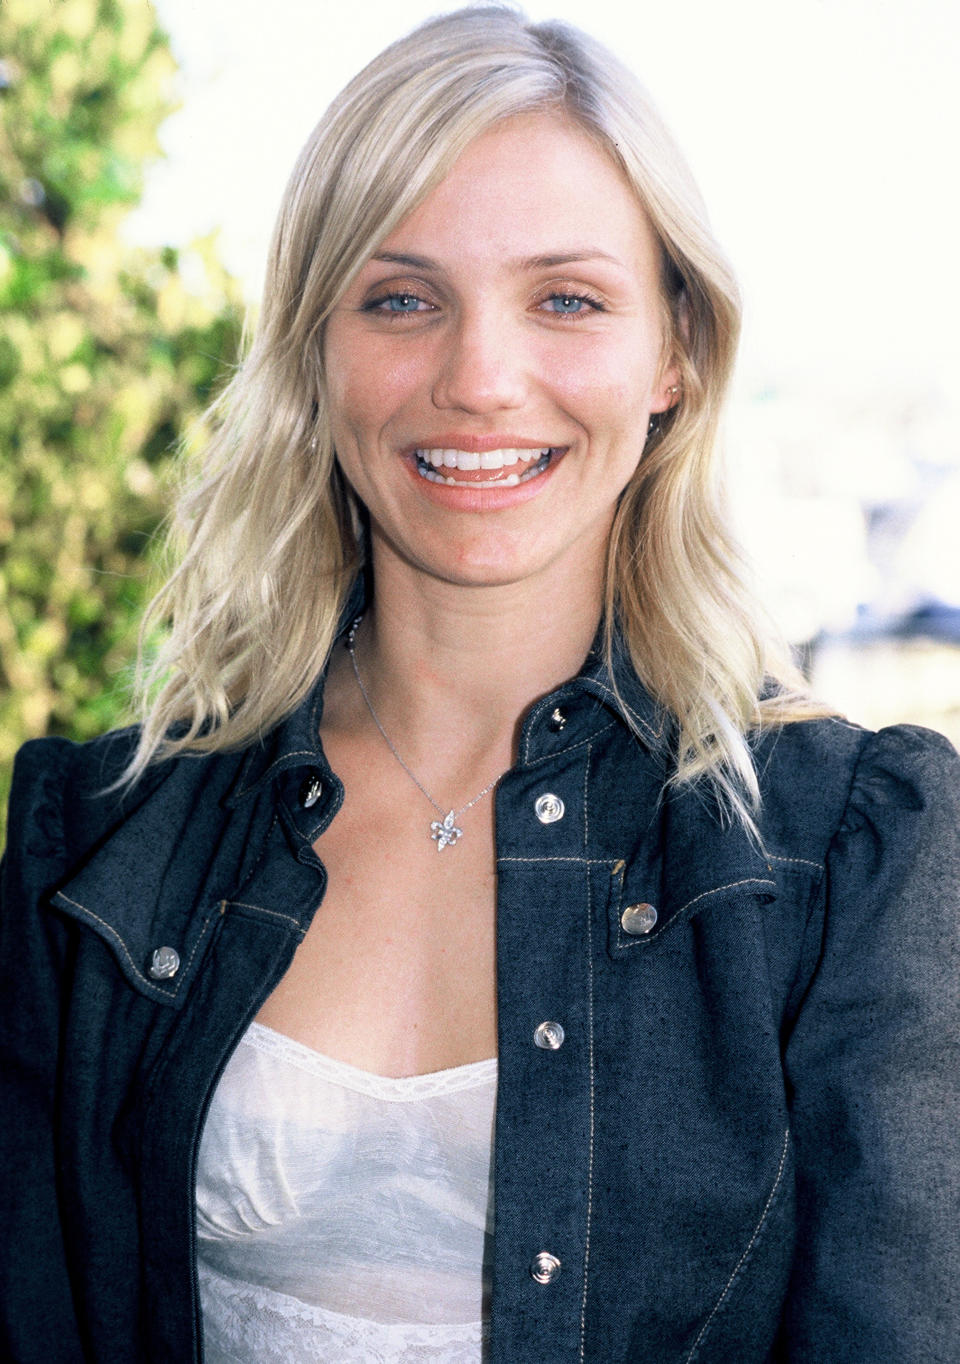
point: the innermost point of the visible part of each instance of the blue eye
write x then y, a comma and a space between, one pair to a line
400, 304
564, 304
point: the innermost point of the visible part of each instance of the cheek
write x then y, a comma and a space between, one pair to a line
609, 402
612, 385
366, 390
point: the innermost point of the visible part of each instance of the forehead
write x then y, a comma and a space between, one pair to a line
532, 185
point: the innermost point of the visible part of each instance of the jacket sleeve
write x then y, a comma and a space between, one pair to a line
873, 1066
37, 1320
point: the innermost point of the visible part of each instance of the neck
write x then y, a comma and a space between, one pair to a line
441, 658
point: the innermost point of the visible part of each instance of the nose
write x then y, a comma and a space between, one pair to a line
481, 366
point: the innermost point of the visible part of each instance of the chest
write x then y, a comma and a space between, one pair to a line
396, 973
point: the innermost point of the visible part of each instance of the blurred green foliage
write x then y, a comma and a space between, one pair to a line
108, 354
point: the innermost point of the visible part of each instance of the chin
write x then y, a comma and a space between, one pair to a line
483, 574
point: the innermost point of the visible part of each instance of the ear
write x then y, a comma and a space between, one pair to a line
668, 388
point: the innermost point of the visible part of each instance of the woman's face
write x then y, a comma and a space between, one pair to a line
492, 369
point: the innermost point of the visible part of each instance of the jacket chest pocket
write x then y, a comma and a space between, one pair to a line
158, 964
643, 908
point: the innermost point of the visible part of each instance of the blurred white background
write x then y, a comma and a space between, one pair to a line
823, 134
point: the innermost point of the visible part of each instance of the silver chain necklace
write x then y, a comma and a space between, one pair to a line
443, 831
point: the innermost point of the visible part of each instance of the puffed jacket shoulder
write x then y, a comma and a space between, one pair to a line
871, 1051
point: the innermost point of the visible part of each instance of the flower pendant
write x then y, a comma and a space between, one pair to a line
445, 832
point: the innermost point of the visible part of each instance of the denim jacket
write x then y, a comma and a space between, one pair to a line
745, 1148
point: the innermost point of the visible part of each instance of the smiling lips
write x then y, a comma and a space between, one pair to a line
504, 468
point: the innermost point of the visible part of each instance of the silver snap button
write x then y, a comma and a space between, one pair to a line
544, 1267
638, 919
548, 1036
164, 963
310, 790
548, 808
558, 720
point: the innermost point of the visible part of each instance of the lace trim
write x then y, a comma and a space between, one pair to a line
390, 1088
246, 1323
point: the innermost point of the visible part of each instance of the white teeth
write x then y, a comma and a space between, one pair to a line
469, 460
429, 461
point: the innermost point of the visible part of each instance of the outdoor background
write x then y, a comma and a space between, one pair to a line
142, 155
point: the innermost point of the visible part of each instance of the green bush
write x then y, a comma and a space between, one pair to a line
108, 355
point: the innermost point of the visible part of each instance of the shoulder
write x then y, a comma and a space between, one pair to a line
96, 763
826, 778
60, 796
52, 775
66, 797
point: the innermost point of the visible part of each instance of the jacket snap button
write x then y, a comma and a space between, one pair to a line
549, 1036
638, 919
558, 720
310, 789
549, 808
544, 1267
164, 963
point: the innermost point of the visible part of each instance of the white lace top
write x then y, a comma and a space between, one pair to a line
344, 1216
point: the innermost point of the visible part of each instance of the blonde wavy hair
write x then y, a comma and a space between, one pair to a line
267, 538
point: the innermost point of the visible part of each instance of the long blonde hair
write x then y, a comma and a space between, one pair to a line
267, 540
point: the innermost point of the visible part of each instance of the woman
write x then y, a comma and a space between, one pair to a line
469, 745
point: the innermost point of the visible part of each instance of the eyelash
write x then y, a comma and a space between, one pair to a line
377, 305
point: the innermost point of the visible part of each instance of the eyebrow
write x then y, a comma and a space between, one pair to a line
399, 258
548, 261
